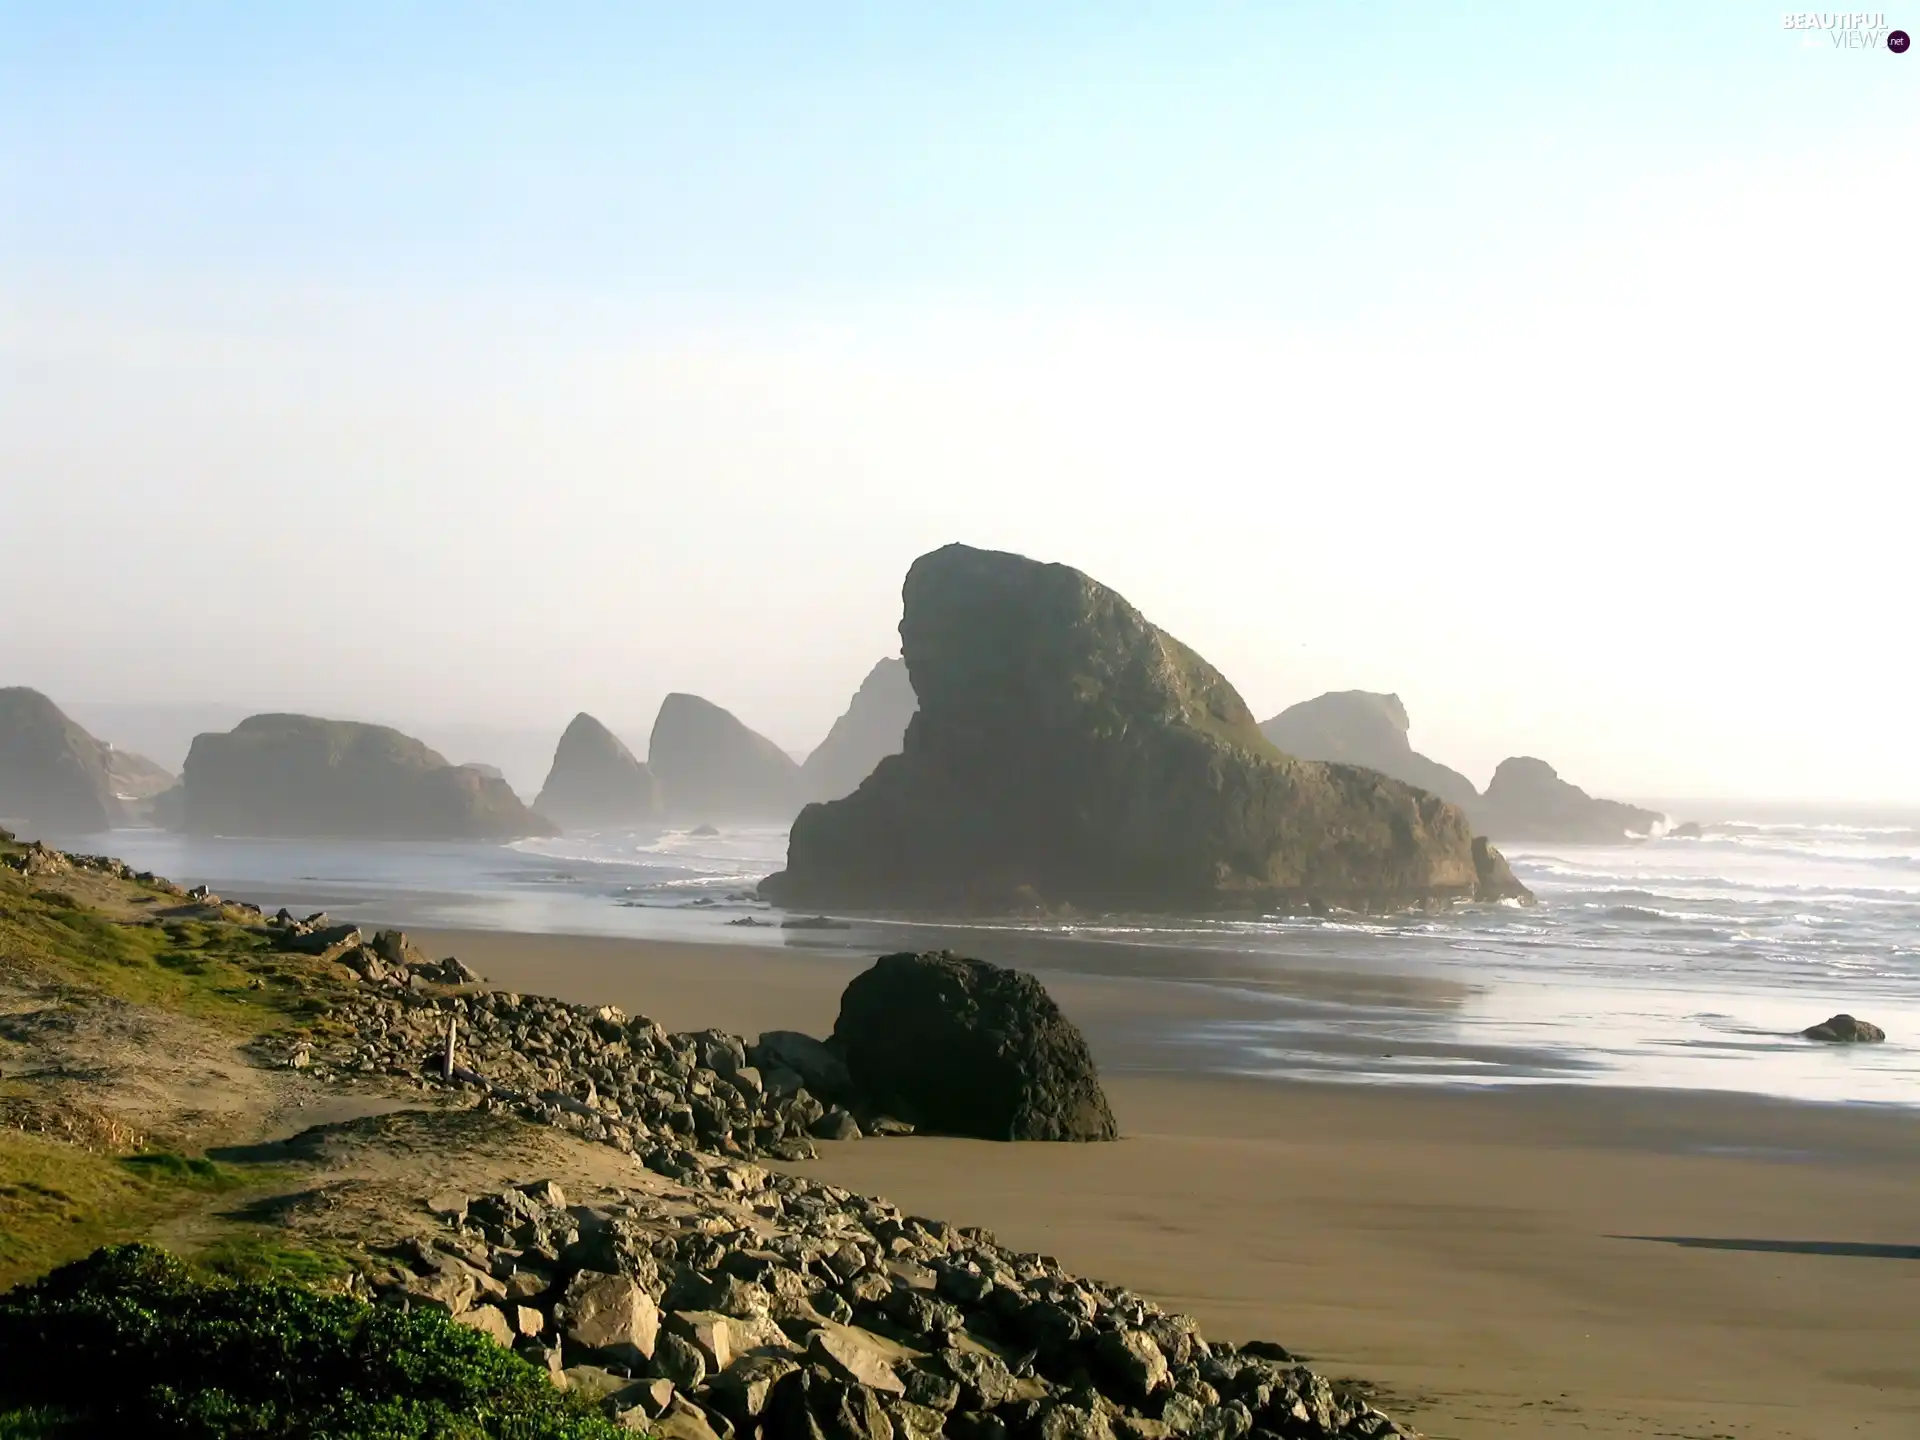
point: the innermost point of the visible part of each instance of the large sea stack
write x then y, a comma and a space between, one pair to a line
1362, 727
298, 776
596, 782
1528, 801
54, 776
1068, 753
712, 768
873, 728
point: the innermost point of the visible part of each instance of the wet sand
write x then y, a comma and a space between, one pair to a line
1541, 1261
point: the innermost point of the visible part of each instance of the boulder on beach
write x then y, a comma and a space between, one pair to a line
1528, 801
873, 728
1068, 753
712, 767
299, 776
1845, 1030
54, 776
1361, 727
595, 781
965, 1047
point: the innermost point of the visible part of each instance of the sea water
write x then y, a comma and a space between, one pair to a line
1684, 963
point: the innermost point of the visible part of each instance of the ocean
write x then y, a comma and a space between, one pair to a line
1671, 963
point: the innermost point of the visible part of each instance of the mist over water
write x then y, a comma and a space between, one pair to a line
1687, 963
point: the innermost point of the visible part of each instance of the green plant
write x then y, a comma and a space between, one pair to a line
127, 1341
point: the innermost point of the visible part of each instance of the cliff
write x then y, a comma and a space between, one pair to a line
1067, 752
295, 775
1527, 801
713, 768
596, 782
873, 728
54, 776
1360, 727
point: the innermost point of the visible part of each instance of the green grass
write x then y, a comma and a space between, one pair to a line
260, 1255
129, 1342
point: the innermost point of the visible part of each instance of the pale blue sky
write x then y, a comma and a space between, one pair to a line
1549, 364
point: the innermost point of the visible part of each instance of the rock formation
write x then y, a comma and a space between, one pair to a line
1068, 752
1359, 727
54, 776
1527, 801
872, 729
596, 782
711, 767
294, 775
968, 1048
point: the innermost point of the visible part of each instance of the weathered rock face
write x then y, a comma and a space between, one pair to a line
969, 1048
1068, 752
595, 781
54, 776
1359, 727
711, 767
1527, 800
294, 775
873, 728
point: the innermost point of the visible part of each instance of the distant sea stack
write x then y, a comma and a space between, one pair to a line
1068, 753
54, 776
1361, 727
713, 768
596, 782
298, 776
874, 727
1527, 801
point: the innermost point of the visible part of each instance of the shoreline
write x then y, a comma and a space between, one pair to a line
1543, 1259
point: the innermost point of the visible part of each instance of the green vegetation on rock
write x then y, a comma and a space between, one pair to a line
129, 1342
1067, 752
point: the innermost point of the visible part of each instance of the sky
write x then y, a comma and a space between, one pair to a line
1552, 366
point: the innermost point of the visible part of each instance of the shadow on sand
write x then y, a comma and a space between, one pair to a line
1849, 1248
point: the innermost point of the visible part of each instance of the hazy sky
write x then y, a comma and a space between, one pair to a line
1550, 364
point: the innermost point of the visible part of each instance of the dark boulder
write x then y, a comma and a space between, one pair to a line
595, 781
969, 1048
1360, 727
1844, 1030
299, 776
1068, 753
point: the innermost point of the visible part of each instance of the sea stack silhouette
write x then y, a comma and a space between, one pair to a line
596, 782
1067, 753
300, 776
874, 727
1527, 800
54, 776
1363, 727
712, 768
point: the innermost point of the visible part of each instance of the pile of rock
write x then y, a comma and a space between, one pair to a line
388, 958
744, 1303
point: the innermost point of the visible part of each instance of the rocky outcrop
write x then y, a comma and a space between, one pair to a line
596, 782
1066, 752
969, 1048
1360, 727
711, 767
1527, 801
54, 776
872, 729
298, 776
1845, 1030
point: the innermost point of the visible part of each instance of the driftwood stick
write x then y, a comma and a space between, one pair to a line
453, 1026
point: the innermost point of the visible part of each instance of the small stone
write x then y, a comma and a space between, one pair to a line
527, 1320
610, 1315
853, 1355
709, 1331
678, 1359
449, 1205
490, 1321
836, 1124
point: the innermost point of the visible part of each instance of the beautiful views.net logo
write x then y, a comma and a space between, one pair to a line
1848, 29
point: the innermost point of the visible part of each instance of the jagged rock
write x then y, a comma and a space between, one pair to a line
596, 781
1527, 801
872, 729
682, 1420
969, 1048
1360, 727
294, 775
1066, 752
819, 1068
678, 1359
711, 767
612, 1316
1845, 1030
853, 1355
490, 1321
54, 776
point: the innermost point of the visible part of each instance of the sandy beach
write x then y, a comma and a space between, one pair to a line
1538, 1261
